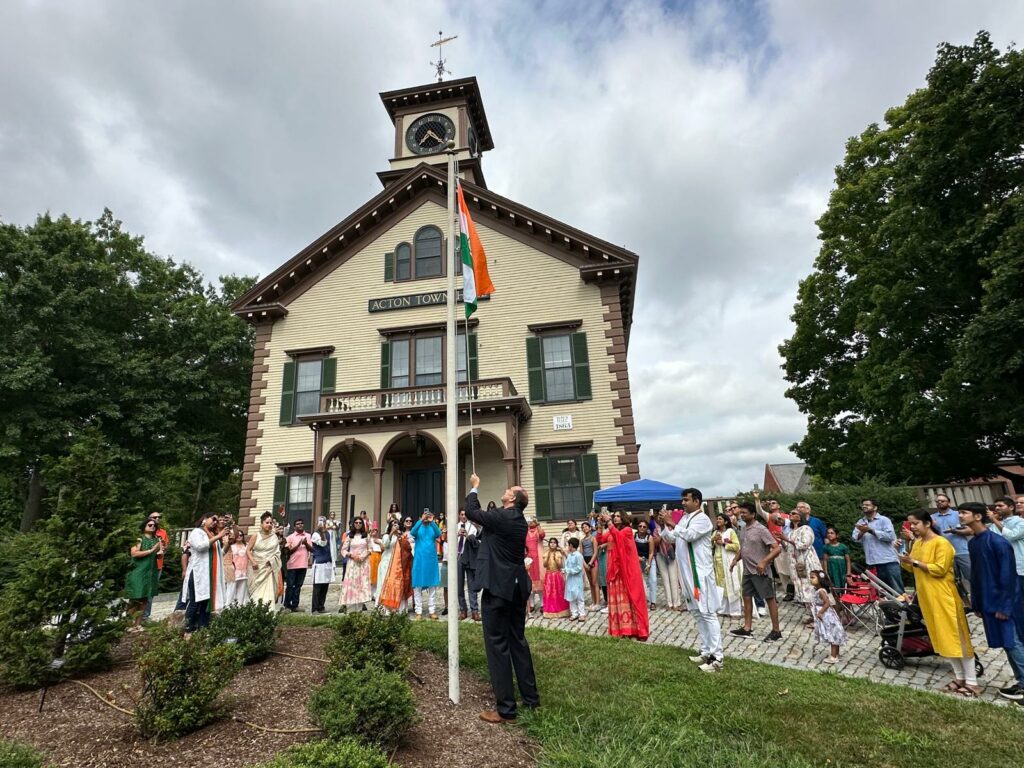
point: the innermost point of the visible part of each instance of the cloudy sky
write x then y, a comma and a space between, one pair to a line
701, 135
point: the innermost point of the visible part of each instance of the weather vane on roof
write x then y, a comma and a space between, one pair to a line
438, 65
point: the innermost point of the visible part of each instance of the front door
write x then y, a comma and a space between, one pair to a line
423, 488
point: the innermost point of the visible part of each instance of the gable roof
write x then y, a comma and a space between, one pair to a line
598, 260
791, 478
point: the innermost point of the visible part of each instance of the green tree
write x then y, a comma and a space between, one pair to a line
63, 611
907, 354
99, 333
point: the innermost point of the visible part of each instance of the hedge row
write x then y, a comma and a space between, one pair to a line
839, 506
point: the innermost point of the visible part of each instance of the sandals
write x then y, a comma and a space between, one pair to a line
969, 692
953, 686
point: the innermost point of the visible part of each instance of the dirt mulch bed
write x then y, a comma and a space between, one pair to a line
76, 729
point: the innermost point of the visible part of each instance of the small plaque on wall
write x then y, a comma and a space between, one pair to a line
562, 423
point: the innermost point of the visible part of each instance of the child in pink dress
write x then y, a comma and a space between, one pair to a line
555, 604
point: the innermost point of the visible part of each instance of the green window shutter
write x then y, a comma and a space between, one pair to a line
591, 479
542, 488
581, 366
389, 267
474, 365
328, 374
288, 394
385, 365
325, 505
535, 369
280, 492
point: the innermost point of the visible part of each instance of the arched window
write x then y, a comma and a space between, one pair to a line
428, 253
403, 262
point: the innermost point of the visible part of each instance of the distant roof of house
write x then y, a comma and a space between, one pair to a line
791, 477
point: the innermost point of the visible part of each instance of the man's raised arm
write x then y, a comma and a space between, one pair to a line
474, 511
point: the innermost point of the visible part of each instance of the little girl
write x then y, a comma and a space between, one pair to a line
827, 626
555, 604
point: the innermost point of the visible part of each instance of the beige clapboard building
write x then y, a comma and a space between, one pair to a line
348, 388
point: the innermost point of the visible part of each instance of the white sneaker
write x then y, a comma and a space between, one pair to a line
762, 612
712, 666
604, 610
699, 659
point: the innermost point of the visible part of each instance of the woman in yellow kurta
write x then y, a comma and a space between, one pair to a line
931, 561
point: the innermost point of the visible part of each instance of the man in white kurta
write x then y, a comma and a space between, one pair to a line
203, 583
695, 558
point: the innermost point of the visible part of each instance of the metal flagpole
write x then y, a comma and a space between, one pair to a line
452, 451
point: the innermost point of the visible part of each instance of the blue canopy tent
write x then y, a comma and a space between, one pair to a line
639, 494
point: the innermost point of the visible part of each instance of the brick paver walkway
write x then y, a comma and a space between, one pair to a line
796, 650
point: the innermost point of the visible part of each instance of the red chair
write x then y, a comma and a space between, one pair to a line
858, 602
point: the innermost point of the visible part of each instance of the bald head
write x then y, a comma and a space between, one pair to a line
516, 496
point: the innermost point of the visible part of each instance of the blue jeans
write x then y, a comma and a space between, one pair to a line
294, 578
1015, 656
197, 614
890, 574
149, 603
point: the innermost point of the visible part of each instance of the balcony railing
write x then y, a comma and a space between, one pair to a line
413, 397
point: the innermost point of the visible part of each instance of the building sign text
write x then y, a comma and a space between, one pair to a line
415, 300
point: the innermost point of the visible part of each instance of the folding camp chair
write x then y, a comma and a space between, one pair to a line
858, 603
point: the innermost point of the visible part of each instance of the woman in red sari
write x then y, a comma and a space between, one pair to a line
627, 598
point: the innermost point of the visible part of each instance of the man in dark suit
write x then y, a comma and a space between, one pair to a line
501, 574
467, 548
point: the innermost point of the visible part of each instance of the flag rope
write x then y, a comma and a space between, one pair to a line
469, 379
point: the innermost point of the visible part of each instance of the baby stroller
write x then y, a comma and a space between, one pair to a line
904, 635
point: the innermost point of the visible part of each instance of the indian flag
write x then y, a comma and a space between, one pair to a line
475, 280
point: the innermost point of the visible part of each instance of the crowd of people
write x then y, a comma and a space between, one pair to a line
738, 563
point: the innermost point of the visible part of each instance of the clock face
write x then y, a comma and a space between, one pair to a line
429, 134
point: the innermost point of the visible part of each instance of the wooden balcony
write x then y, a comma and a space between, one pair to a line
429, 402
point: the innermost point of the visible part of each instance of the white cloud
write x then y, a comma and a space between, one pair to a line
704, 139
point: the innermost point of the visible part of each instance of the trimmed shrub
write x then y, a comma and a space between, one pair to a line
371, 639
370, 704
15, 755
346, 753
253, 627
182, 680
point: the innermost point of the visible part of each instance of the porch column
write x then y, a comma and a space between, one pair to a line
378, 482
318, 495
318, 477
345, 476
510, 471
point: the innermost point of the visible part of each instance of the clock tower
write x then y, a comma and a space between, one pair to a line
427, 117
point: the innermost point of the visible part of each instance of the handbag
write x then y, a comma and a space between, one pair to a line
801, 569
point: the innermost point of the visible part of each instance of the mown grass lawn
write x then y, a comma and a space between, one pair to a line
608, 702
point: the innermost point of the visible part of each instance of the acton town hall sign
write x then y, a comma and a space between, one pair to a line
414, 300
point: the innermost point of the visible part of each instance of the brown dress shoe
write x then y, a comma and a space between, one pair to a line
490, 716
462, 615
476, 615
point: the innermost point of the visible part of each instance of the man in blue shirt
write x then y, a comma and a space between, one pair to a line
947, 523
817, 525
876, 534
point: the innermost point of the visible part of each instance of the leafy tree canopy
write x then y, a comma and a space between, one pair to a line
97, 333
907, 355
